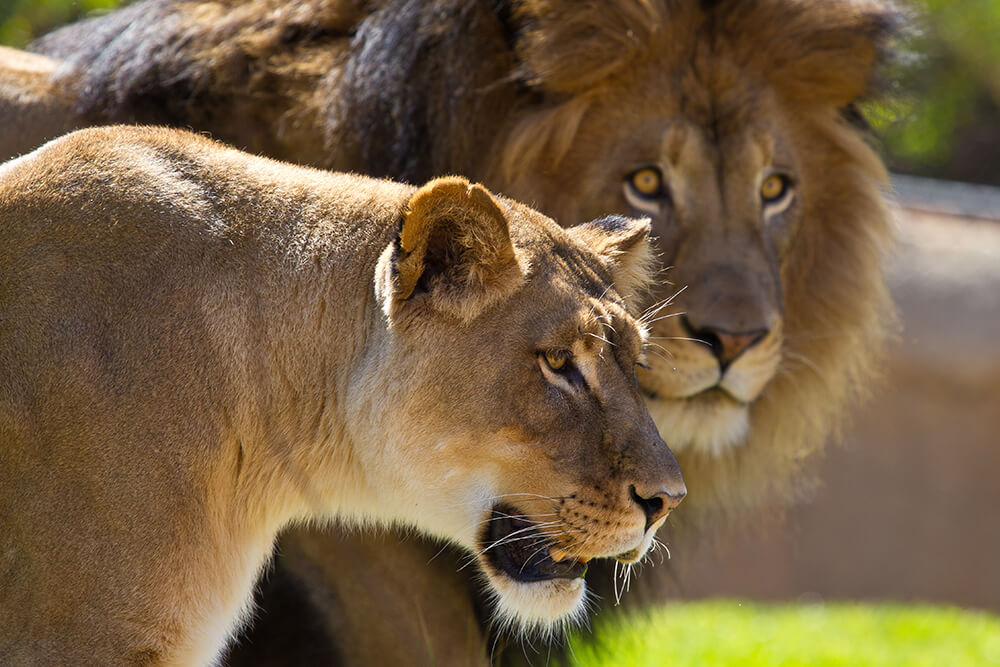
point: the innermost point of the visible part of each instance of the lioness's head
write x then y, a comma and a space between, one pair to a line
731, 125
515, 425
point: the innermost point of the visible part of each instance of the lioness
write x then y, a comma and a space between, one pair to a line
731, 123
200, 346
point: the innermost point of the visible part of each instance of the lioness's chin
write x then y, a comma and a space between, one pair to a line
535, 585
537, 607
709, 424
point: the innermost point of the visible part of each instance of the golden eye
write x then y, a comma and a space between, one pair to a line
773, 188
556, 360
647, 181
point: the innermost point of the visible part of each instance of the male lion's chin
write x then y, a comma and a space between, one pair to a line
546, 607
708, 424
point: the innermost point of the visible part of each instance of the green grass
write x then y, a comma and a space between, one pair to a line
727, 632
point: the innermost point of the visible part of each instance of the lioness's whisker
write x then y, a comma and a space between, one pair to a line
693, 340
590, 313
531, 495
532, 555
614, 583
660, 351
665, 317
512, 537
504, 541
644, 319
660, 547
601, 338
522, 517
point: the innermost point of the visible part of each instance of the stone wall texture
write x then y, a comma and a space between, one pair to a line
908, 507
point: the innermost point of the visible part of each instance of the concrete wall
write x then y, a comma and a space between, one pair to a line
909, 506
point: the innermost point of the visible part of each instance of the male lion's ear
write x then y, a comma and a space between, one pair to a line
624, 248
455, 247
829, 52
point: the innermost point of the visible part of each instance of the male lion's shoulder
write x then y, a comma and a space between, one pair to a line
156, 58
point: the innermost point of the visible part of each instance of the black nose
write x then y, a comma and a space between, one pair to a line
727, 346
658, 505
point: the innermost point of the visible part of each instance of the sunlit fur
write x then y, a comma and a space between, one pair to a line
789, 67
569, 107
203, 347
554, 102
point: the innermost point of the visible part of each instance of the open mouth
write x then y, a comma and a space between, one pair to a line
516, 547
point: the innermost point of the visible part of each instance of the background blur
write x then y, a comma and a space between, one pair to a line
906, 507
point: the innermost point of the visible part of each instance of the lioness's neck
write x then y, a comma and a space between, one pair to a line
300, 334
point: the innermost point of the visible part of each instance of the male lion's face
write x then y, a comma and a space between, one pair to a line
517, 427
724, 197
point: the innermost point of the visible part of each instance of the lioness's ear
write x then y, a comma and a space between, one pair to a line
454, 247
624, 248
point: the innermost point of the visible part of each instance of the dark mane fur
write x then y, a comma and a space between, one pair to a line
433, 128
156, 62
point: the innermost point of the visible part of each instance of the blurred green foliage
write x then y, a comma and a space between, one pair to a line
23, 20
942, 117
728, 633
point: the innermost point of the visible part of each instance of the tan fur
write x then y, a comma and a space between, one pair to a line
201, 347
34, 108
715, 93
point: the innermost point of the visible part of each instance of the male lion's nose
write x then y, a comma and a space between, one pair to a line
660, 504
726, 345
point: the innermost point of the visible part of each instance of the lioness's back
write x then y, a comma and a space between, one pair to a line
137, 277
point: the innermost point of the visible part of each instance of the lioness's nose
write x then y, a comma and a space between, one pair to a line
727, 346
659, 504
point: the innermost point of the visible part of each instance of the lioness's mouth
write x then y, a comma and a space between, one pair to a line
515, 546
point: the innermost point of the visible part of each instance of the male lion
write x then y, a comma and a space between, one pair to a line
201, 346
731, 123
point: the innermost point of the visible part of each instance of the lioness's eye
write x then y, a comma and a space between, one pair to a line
773, 188
556, 360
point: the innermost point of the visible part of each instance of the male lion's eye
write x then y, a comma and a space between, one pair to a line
773, 188
556, 360
647, 182
646, 190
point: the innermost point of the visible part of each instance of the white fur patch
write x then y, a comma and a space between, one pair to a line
546, 609
706, 425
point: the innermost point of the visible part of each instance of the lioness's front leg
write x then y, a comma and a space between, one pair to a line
33, 106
